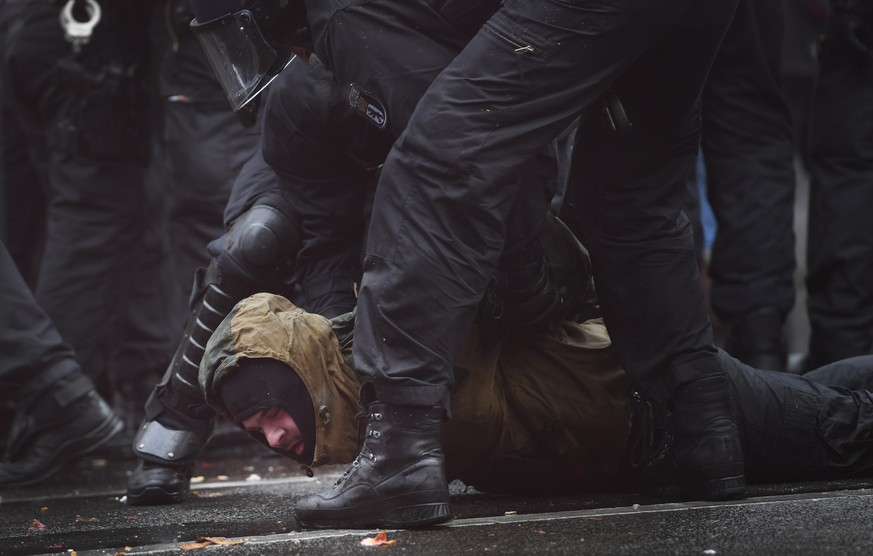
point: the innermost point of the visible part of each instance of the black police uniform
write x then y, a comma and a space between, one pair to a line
324, 141
293, 228
87, 114
839, 278
326, 158
440, 220
478, 144
143, 151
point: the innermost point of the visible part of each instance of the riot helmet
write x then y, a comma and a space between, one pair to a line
248, 42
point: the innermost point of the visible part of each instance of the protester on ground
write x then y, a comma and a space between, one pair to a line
545, 413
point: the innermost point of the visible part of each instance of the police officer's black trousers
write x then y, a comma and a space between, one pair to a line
447, 187
840, 241
748, 150
34, 355
98, 212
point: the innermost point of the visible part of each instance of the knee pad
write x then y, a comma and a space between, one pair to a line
262, 245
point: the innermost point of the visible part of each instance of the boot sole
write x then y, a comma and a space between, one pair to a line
156, 496
393, 513
73, 449
157, 486
727, 488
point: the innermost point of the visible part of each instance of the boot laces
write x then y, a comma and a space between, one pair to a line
365, 451
355, 464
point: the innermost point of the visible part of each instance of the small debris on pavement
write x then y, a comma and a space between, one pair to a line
203, 542
379, 540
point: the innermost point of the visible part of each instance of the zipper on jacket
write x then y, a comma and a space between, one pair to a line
519, 48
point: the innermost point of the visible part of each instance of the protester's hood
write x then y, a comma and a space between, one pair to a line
270, 326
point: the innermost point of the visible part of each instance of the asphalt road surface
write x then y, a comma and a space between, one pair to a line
243, 496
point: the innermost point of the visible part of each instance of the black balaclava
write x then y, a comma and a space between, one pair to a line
261, 383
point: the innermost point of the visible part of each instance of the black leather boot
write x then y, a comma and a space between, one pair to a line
168, 447
159, 481
397, 480
169, 441
702, 454
68, 421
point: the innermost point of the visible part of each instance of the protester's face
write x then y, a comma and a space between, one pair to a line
278, 428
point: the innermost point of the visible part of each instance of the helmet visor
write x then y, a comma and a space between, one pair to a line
242, 59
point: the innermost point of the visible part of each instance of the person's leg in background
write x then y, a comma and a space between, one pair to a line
89, 109
839, 277
748, 150
58, 414
23, 182
22, 197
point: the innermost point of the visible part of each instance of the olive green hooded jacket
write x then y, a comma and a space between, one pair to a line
539, 413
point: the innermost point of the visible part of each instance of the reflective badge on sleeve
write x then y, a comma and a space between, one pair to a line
367, 105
